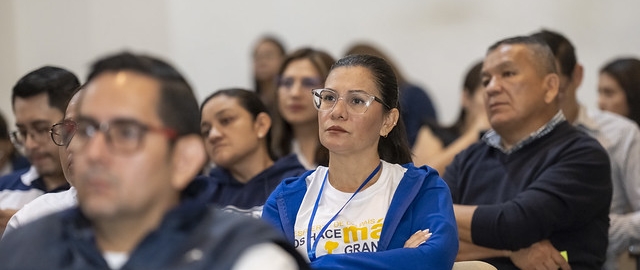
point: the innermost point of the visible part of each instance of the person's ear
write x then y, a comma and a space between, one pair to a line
390, 121
262, 124
188, 158
551, 84
577, 75
466, 100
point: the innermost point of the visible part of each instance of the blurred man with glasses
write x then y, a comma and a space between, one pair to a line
136, 150
39, 100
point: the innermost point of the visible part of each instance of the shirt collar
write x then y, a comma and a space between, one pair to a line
30, 176
493, 139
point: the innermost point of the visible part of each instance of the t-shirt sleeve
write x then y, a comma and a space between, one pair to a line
265, 256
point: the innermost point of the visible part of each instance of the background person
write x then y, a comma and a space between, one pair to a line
53, 202
436, 146
39, 99
617, 135
268, 55
295, 124
619, 88
235, 126
10, 158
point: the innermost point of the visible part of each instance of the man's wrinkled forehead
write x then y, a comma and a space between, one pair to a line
507, 56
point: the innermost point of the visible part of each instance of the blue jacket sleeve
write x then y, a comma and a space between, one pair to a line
400, 258
282, 206
270, 212
430, 209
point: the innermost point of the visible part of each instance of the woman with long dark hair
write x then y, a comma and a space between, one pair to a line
295, 124
619, 88
370, 208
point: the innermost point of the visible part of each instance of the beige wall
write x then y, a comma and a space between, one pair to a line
7, 58
433, 42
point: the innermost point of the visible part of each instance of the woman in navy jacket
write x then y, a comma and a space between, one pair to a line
235, 126
365, 210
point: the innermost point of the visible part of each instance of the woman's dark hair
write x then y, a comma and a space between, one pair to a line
320, 60
626, 71
248, 100
472, 81
282, 131
281, 49
393, 148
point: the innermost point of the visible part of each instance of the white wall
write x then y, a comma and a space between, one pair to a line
433, 42
7, 58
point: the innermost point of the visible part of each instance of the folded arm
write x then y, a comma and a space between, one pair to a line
426, 256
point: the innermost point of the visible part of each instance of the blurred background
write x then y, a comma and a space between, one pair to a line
432, 42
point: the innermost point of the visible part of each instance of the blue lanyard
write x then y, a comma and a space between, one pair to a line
312, 251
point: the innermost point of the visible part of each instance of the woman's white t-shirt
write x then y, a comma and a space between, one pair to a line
357, 228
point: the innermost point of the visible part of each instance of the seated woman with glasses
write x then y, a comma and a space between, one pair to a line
370, 208
236, 127
295, 124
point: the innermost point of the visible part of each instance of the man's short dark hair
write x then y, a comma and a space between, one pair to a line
59, 84
562, 48
178, 107
541, 53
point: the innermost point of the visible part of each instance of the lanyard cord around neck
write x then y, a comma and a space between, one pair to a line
311, 251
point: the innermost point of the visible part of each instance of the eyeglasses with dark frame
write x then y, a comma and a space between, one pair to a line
358, 101
121, 135
62, 132
38, 133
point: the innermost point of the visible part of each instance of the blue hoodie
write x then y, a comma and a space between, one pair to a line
421, 201
250, 197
